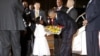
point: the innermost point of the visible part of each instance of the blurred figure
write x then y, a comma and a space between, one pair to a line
11, 22
36, 12
25, 4
92, 27
72, 12
26, 13
57, 39
60, 6
26, 35
30, 7
69, 28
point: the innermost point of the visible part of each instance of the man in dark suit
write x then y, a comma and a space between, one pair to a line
57, 39
72, 12
60, 6
92, 27
26, 13
11, 23
26, 34
37, 12
69, 28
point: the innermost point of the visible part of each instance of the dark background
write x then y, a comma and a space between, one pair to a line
47, 4
80, 5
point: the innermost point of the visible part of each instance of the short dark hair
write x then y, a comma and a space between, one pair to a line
38, 19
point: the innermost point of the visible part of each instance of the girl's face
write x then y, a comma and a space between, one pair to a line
41, 21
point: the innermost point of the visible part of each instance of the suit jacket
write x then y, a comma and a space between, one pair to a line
11, 15
73, 13
93, 16
27, 16
68, 23
63, 9
41, 13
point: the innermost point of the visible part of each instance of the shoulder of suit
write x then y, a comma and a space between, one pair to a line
32, 10
42, 10
64, 7
74, 9
60, 12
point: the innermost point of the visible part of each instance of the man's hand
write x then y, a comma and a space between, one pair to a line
85, 22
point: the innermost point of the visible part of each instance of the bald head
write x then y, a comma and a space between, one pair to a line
52, 14
70, 3
37, 5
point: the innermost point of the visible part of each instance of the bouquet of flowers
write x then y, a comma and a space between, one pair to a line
51, 29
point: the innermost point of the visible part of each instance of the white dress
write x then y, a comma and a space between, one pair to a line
40, 47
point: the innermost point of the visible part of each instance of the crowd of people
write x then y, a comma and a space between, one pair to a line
22, 31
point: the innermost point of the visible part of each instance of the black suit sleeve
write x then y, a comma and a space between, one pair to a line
73, 14
44, 17
95, 10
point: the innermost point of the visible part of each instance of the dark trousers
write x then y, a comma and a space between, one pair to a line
26, 40
92, 43
66, 45
57, 45
0, 49
10, 39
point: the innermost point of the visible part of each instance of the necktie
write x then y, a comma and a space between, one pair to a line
36, 14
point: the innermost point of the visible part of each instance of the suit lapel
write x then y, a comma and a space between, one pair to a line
70, 10
90, 2
40, 13
34, 13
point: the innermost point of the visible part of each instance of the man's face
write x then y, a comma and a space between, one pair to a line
52, 15
30, 7
37, 6
25, 4
59, 3
70, 3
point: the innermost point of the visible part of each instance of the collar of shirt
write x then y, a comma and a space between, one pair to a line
90, 1
56, 16
37, 10
69, 9
59, 8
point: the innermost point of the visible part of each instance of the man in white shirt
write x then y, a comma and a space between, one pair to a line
72, 12
38, 12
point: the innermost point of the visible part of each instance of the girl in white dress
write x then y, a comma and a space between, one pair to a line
40, 47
